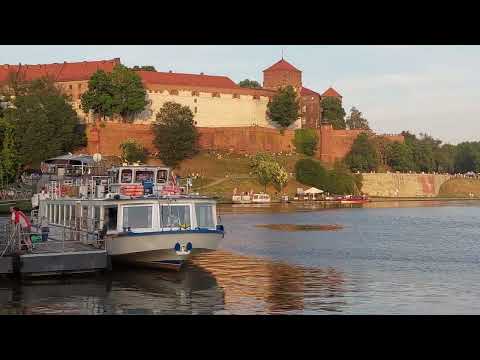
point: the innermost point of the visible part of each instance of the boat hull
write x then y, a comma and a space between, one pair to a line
158, 250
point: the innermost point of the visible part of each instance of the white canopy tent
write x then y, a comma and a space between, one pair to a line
313, 192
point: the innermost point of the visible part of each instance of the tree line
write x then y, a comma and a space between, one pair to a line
421, 153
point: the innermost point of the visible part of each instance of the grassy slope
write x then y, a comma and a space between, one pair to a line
228, 171
460, 188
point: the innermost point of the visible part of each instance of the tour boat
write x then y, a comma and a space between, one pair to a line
241, 199
141, 217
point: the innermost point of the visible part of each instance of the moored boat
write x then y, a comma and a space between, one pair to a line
142, 218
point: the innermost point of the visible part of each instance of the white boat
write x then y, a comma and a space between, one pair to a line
241, 199
261, 198
148, 223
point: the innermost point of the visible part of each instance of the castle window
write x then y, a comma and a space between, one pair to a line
195, 101
174, 92
79, 86
195, 110
70, 87
256, 97
195, 93
215, 94
236, 96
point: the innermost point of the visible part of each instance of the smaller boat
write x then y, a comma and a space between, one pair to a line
261, 198
351, 199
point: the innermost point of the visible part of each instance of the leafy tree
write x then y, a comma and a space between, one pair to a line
306, 141
44, 123
467, 157
333, 112
9, 163
362, 156
132, 151
144, 68
120, 92
284, 107
311, 172
445, 158
99, 96
342, 181
400, 157
264, 172
247, 83
355, 120
175, 133
280, 178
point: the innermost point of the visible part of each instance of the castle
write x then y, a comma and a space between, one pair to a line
228, 117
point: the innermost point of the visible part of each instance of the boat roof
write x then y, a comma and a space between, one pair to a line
140, 198
84, 159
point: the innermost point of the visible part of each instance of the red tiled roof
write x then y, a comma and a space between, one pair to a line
59, 71
198, 80
331, 92
282, 65
308, 92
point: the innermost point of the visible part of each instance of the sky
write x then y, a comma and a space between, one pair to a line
422, 89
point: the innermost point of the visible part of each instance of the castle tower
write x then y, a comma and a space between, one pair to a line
281, 74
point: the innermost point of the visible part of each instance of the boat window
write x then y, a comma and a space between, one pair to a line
162, 176
175, 216
143, 175
204, 214
127, 176
136, 217
96, 216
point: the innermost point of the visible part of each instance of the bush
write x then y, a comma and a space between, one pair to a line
133, 151
338, 180
305, 141
363, 155
312, 173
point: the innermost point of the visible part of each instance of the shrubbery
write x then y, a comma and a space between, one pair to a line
133, 151
338, 180
305, 141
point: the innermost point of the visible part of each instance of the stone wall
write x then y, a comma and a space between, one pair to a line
403, 185
333, 144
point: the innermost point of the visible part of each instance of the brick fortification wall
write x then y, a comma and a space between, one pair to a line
333, 144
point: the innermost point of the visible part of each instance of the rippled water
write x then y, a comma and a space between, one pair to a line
389, 258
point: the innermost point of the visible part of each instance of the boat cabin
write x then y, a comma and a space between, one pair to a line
138, 174
133, 216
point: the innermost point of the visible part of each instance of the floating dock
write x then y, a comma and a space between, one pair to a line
52, 257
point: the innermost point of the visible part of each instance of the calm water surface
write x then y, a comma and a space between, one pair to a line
390, 258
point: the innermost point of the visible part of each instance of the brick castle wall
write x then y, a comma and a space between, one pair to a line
333, 144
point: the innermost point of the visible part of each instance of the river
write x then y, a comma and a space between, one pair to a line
389, 258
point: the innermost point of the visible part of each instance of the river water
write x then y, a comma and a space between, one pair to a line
389, 258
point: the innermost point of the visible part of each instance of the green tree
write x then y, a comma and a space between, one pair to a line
305, 141
264, 172
9, 163
280, 178
175, 133
355, 121
333, 112
363, 155
445, 158
247, 83
144, 68
44, 123
342, 181
400, 157
283, 108
467, 157
311, 172
132, 151
120, 92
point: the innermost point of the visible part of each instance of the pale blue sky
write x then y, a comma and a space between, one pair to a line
431, 89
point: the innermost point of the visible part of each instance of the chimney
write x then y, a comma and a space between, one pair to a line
201, 73
170, 71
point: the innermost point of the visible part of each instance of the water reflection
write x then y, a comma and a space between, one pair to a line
255, 285
215, 283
